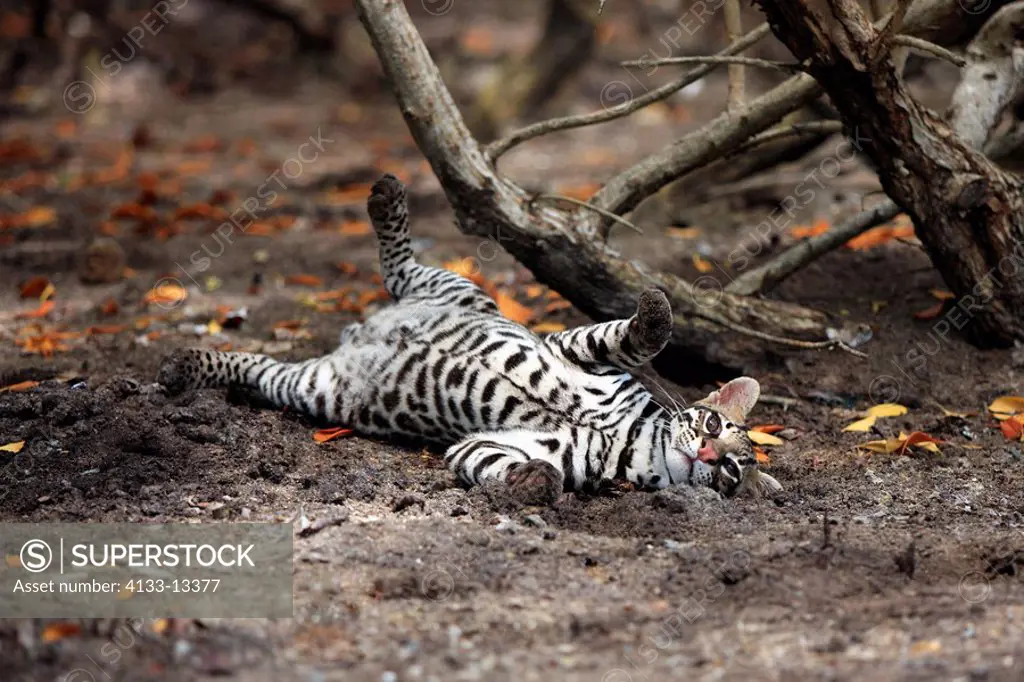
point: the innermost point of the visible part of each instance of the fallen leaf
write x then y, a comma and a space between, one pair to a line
105, 329
942, 294
930, 313
44, 309
1006, 406
683, 232
890, 445
701, 264
762, 456
548, 327
20, 386
355, 228
951, 413
801, 231
38, 216
324, 435
1012, 428
764, 438
34, 287
886, 410
54, 632
166, 294
304, 280
581, 192
478, 41
14, 447
206, 143
291, 325
767, 428
864, 424
347, 268
534, 290
513, 309
919, 439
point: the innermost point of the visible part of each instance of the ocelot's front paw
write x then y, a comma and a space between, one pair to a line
179, 371
535, 482
652, 326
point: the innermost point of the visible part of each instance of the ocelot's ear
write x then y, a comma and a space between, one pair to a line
736, 399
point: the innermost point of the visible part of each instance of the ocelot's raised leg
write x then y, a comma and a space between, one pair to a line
529, 463
619, 345
403, 276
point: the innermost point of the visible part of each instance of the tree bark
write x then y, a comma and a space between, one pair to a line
968, 213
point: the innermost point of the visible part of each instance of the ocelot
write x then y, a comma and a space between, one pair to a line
543, 414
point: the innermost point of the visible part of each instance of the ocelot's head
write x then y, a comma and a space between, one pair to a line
713, 436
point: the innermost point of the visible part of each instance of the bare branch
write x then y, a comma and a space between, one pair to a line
591, 207
716, 59
737, 75
930, 48
809, 128
768, 275
726, 132
517, 137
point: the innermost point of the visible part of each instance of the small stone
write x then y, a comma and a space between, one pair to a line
103, 262
246, 512
535, 520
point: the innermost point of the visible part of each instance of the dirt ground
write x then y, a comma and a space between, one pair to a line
868, 566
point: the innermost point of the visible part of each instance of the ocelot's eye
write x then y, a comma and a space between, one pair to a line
713, 425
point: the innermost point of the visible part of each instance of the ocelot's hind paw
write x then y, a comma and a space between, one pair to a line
535, 482
652, 326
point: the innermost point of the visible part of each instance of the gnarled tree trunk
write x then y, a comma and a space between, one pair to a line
968, 213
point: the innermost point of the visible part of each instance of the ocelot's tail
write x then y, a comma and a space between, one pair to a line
311, 387
389, 213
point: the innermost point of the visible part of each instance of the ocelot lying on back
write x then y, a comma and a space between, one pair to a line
541, 413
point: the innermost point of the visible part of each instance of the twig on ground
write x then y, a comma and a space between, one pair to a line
781, 340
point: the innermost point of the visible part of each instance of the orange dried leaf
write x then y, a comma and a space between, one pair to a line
291, 325
206, 143
942, 294
1006, 406
37, 216
106, 329
548, 327
918, 439
303, 280
557, 305
54, 632
768, 428
802, 231
701, 264
534, 290
930, 313
513, 309
762, 456
1012, 428
478, 41
34, 287
109, 308
350, 194
579, 192
325, 435
20, 386
355, 228
166, 294
347, 268
44, 309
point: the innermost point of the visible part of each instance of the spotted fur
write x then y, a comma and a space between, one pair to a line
544, 413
